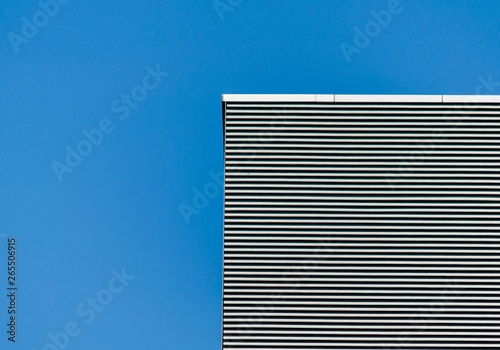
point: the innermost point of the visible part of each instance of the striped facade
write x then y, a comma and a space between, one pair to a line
361, 222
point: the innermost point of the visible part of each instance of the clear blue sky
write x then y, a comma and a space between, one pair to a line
119, 207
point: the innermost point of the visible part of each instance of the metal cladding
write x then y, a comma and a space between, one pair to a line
361, 222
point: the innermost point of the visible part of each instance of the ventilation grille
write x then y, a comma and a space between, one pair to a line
361, 226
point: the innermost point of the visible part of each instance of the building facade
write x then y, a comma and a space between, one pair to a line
361, 222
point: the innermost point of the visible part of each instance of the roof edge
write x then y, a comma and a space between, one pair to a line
361, 98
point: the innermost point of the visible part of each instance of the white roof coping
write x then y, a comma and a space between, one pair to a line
268, 98
472, 98
362, 98
390, 98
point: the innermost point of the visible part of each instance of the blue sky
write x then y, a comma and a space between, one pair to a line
117, 210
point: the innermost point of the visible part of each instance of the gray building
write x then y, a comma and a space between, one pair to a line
361, 222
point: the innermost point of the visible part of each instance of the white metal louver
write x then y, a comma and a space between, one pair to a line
361, 222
